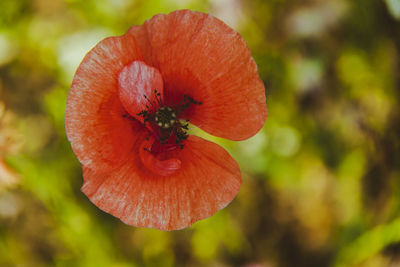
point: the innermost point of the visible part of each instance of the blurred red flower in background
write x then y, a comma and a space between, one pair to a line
127, 113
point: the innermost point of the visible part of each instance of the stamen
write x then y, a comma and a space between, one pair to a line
171, 129
158, 97
148, 100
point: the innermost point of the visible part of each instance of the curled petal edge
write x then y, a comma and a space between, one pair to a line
140, 87
155, 165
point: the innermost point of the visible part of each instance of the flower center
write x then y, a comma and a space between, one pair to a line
165, 117
168, 129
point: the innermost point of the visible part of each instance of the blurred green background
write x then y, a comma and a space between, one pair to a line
320, 181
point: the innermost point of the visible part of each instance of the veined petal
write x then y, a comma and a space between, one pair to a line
140, 88
209, 179
200, 56
94, 117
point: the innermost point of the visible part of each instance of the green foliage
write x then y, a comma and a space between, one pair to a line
321, 180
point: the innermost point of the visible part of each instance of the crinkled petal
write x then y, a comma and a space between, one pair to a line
100, 135
140, 88
209, 178
200, 56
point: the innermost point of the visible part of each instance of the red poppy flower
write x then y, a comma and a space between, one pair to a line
127, 112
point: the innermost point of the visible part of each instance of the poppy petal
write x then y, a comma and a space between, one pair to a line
157, 166
140, 88
209, 179
200, 56
100, 135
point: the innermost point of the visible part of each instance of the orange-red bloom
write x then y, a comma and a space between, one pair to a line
127, 112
